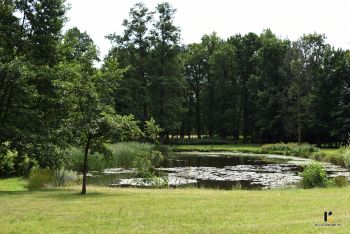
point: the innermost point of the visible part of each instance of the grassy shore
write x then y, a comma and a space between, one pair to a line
251, 148
106, 210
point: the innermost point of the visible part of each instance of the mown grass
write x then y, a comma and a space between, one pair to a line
106, 210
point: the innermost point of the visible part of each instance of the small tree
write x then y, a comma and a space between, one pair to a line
152, 130
89, 121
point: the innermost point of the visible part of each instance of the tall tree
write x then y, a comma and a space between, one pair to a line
167, 84
246, 59
132, 49
196, 77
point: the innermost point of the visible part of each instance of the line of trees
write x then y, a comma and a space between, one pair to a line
261, 87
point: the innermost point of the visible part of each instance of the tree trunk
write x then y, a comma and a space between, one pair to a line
85, 166
299, 118
189, 125
198, 117
211, 109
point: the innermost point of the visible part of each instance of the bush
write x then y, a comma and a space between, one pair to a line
279, 147
318, 156
335, 159
314, 176
339, 181
146, 163
346, 156
7, 159
40, 178
303, 150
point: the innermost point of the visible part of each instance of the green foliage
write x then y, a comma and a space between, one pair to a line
335, 159
318, 156
74, 160
303, 150
124, 153
12, 163
339, 181
121, 154
40, 178
62, 177
346, 156
7, 164
152, 130
203, 141
145, 164
126, 128
313, 176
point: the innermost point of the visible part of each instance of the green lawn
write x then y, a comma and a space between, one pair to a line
106, 210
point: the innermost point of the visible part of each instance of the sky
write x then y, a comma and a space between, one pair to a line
286, 18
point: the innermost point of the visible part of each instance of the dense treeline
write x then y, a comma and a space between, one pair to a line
259, 87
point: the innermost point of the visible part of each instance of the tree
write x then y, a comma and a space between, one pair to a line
247, 47
271, 88
223, 70
132, 50
30, 33
167, 83
196, 75
88, 122
210, 43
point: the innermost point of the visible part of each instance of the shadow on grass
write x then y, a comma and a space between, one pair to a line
63, 194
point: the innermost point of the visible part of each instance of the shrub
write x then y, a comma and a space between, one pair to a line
318, 156
335, 159
40, 178
271, 148
146, 163
314, 176
346, 156
7, 158
339, 181
303, 150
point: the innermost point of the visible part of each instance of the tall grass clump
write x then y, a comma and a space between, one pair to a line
40, 178
124, 154
62, 177
74, 160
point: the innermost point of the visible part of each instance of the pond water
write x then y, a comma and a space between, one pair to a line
220, 170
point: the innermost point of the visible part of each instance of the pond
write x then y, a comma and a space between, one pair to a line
219, 170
